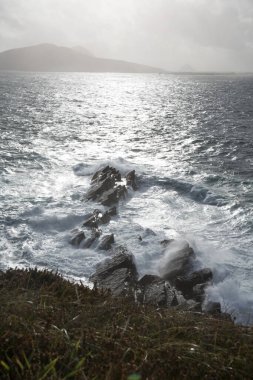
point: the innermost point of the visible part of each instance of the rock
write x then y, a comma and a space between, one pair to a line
148, 279
154, 290
113, 195
92, 220
107, 171
212, 307
105, 218
97, 217
112, 211
88, 242
186, 283
77, 238
119, 273
96, 232
192, 305
131, 180
177, 260
106, 242
100, 173
104, 189
166, 242
198, 291
99, 188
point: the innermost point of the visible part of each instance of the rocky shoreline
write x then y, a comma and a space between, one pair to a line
178, 285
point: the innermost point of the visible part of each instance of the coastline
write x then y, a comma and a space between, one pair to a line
125, 327
54, 329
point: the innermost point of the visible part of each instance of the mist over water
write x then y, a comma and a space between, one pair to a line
189, 138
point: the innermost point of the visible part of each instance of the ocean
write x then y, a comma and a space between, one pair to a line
189, 139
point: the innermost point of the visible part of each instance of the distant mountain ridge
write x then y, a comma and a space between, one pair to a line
52, 58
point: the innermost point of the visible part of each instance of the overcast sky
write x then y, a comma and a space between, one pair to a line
208, 35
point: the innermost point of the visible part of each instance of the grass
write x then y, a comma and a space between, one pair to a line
53, 329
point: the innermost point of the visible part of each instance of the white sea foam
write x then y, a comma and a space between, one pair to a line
190, 185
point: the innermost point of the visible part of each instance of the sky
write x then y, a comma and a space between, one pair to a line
204, 35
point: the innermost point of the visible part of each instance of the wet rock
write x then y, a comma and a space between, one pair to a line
100, 172
192, 305
77, 239
96, 232
97, 218
106, 242
113, 195
166, 242
106, 172
186, 283
112, 211
198, 291
154, 290
131, 180
105, 218
177, 260
119, 273
88, 242
92, 221
148, 279
212, 307
99, 188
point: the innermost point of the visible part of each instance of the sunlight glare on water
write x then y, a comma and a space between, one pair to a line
189, 138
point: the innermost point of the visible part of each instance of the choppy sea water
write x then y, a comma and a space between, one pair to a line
190, 140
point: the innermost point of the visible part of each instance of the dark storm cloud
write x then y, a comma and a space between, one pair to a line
208, 35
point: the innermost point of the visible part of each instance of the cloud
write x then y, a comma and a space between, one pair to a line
208, 35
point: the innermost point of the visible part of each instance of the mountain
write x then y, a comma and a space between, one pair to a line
49, 57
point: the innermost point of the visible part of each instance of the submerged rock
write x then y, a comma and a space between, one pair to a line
119, 273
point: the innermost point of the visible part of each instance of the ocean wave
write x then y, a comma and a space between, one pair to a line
196, 192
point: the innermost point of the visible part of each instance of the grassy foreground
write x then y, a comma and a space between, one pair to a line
53, 329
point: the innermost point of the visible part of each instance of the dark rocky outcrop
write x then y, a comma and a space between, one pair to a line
119, 274
186, 283
164, 243
113, 195
106, 242
78, 238
178, 261
105, 187
131, 180
88, 242
92, 220
212, 307
177, 286
106, 172
99, 187
155, 291
198, 291
98, 217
